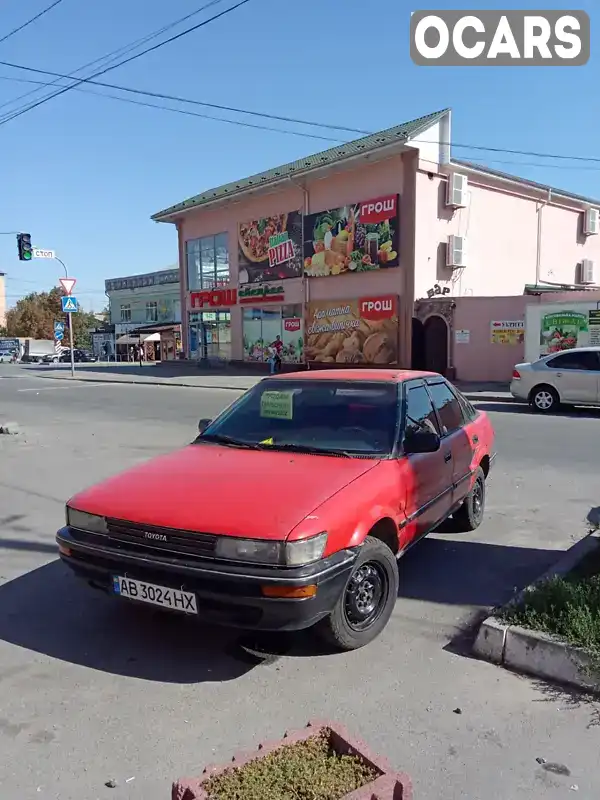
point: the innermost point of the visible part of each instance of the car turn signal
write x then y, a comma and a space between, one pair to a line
289, 592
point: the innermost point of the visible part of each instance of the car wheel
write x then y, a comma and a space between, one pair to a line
544, 399
366, 604
470, 514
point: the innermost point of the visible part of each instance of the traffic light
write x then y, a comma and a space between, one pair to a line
24, 245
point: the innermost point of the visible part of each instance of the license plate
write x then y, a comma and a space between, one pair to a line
162, 596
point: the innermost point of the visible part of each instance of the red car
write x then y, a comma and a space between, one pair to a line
291, 508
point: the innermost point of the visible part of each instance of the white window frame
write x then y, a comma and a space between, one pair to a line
126, 312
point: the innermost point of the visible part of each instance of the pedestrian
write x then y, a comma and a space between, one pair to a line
276, 347
140, 353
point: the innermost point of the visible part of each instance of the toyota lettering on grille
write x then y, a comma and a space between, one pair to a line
157, 537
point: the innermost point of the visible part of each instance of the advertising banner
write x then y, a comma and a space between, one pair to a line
505, 331
355, 238
270, 248
563, 330
594, 325
361, 331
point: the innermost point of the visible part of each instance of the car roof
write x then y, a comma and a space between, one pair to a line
360, 375
594, 349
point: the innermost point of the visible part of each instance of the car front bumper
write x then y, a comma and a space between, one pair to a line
227, 594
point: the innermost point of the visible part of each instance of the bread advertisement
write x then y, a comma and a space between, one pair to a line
345, 332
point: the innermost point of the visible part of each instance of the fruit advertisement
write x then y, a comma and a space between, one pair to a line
355, 238
563, 330
361, 331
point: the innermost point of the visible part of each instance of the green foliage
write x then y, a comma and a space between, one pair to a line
308, 770
34, 316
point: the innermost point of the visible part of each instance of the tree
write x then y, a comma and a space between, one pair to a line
34, 316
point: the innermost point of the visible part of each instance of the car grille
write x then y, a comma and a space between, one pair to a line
131, 537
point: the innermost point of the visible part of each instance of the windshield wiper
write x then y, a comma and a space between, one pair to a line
306, 448
228, 441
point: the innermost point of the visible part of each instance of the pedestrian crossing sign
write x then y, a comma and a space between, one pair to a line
69, 304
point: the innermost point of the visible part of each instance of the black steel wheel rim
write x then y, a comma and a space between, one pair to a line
478, 499
366, 595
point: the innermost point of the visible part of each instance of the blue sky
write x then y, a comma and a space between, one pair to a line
84, 173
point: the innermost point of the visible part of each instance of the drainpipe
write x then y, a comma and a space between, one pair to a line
305, 213
538, 249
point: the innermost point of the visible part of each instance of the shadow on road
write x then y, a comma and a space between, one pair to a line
28, 546
172, 369
49, 611
467, 573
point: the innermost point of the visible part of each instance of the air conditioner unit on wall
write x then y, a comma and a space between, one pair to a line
591, 222
455, 251
456, 195
587, 273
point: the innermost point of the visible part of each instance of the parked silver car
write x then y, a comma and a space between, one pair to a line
568, 378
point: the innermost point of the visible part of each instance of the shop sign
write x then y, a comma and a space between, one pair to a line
214, 298
363, 331
261, 293
507, 331
270, 248
356, 238
292, 324
594, 326
563, 330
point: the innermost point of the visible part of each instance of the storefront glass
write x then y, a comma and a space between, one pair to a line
207, 262
210, 335
262, 326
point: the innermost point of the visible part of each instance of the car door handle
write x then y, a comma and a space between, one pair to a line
476, 439
559, 374
447, 457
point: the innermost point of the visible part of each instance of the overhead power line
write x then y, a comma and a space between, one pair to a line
29, 21
264, 115
102, 71
108, 58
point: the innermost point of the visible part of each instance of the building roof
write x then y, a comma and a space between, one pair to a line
334, 155
508, 176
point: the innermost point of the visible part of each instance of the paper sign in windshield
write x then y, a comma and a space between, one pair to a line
277, 405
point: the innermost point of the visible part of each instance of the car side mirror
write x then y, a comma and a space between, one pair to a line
422, 441
203, 425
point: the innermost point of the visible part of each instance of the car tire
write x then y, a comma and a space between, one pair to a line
470, 514
364, 607
544, 399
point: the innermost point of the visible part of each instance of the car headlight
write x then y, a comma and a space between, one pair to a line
85, 521
258, 551
305, 551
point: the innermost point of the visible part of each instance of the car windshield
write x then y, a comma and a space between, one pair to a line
352, 418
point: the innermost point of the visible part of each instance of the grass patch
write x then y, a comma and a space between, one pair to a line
568, 607
308, 770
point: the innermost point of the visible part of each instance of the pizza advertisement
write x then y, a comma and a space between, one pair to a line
355, 238
270, 248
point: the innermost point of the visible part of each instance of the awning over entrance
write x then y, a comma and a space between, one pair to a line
130, 338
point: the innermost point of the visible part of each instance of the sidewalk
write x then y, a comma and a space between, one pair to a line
192, 377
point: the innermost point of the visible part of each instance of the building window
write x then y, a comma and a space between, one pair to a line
262, 326
126, 313
152, 312
207, 262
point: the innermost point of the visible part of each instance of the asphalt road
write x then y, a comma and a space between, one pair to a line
92, 690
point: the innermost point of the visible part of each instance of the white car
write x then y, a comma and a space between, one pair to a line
568, 378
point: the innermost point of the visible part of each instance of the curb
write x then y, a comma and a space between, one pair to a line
533, 652
130, 381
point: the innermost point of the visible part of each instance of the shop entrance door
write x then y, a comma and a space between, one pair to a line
435, 342
215, 334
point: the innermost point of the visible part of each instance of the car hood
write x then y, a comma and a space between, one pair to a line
223, 490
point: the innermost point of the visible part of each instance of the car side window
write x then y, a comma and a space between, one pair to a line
420, 414
468, 410
587, 360
447, 406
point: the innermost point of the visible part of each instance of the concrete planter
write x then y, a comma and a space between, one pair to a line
388, 786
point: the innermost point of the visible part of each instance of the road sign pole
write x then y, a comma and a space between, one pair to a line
71, 344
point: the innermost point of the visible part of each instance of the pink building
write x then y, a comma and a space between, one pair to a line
385, 250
